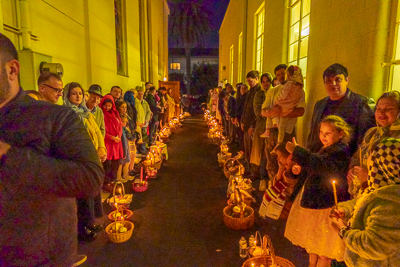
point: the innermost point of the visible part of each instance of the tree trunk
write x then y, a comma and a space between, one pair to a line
188, 69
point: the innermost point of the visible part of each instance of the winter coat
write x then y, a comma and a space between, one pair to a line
51, 162
249, 117
146, 109
153, 107
354, 110
113, 125
330, 163
374, 237
99, 117
258, 142
239, 107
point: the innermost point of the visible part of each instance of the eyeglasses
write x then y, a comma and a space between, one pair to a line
55, 89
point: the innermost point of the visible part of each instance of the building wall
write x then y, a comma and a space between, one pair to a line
80, 34
358, 34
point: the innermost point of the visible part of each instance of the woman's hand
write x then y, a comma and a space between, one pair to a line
102, 154
291, 145
116, 139
337, 224
362, 173
337, 213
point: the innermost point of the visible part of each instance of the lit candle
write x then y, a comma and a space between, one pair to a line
141, 173
334, 193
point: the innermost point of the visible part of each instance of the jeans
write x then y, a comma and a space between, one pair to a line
152, 130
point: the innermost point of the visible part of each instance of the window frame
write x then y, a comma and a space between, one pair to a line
259, 38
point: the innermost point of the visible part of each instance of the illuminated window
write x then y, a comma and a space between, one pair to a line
299, 21
120, 37
231, 65
142, 34
259, 38
175, 66
240, 51
395, 69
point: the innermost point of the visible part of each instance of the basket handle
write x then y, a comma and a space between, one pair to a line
233, 160
261, 240
115, 186
268, 245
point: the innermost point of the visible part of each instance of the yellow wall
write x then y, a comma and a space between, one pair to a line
357, 34
80, 34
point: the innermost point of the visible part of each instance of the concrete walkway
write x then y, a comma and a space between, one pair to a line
178, 220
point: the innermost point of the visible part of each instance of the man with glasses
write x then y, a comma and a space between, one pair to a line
50, 87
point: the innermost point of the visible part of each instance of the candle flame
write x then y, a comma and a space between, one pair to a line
333, 181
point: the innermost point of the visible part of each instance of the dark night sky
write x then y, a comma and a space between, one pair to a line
217, 8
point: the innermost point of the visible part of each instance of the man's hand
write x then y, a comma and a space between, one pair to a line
275, 112
296, 169
4, 147
242, 126
291, 145
250, 131
102, 154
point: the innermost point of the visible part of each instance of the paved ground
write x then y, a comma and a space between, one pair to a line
178, 220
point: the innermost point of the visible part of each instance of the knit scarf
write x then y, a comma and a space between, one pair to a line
384, 164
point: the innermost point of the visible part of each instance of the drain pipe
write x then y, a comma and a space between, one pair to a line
25, 24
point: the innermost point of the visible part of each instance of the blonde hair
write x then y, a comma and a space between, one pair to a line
340, 125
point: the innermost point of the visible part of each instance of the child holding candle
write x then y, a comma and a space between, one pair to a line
309, 225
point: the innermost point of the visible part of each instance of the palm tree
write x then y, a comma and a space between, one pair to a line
189, 22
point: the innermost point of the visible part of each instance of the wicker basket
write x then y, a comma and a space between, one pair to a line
227, 172
140, 189
267, 260
113, 200
128, 214
156, 165
120, 237
243, 223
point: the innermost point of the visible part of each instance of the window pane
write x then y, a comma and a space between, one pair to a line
293, 51
304, 47
396, 77
306, 7
305, 26
305, 84
292, 2
293, 63
295, 14
294, 33
303, 66
398, 43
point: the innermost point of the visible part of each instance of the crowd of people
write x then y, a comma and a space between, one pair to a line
340, 193
56, 159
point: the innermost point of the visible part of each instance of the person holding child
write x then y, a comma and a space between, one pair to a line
308, 224
287, 99
372, 234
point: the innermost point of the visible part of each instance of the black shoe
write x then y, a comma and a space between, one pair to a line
95, 228
87, 235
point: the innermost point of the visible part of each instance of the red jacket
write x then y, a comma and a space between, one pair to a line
113, 125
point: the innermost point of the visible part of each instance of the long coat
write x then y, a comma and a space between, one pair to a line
51, 162
354, 110
249, 117
258, 142
153, 107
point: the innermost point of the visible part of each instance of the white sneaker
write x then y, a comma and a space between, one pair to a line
263, 185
